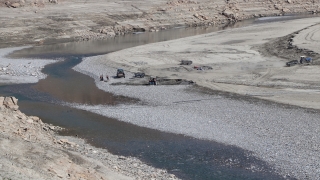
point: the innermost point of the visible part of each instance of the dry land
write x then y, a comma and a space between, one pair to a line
248, 61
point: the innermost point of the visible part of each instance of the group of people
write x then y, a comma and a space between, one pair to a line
101, 77
153, 81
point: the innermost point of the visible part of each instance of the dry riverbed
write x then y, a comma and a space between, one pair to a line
249, 61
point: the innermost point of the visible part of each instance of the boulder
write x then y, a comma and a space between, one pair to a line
229, 14
14, 100
29, 121
35, 118
277, 6
1, 102
21, 115
15, 5
286, 10
8, 4
11, 103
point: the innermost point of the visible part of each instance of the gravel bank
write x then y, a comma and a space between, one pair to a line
21, 70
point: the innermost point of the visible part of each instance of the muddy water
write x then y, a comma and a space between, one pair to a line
186, 157
70, 86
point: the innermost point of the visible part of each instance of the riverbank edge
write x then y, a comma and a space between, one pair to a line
18, 129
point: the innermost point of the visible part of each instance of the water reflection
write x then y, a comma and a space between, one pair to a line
70, 86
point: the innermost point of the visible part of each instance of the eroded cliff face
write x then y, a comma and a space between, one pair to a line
29, 149
43, 22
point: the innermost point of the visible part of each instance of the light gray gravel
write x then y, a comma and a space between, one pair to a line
286, 138
21, 70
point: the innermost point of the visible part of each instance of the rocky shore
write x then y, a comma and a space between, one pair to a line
31, 149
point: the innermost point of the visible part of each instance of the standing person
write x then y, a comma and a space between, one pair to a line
101, 77
107, 77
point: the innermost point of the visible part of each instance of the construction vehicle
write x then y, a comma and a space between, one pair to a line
139, 74
185, 62
292, 63
120, 73
304, 59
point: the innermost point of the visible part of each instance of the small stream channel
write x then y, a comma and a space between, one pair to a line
186, 157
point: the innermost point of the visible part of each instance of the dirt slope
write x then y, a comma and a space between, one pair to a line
30, 149
42, 22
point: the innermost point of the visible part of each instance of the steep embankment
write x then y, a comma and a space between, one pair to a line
33, 22
30, 149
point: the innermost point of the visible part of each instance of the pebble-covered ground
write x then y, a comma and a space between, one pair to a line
20, 70
285, 137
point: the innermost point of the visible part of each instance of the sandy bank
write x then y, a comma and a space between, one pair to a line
236, 62
284, 136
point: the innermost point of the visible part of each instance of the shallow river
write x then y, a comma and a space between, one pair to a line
186, 157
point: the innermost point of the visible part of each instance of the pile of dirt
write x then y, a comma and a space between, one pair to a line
283, 47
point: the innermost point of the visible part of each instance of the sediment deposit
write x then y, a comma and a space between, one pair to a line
46, 22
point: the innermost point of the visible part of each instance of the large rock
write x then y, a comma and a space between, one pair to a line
15, 5
35, 119
11, 103
277, 6
286, 10
229, 14
14, 100
1, 103
8, 4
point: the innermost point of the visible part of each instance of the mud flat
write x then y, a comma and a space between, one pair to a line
284, 135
